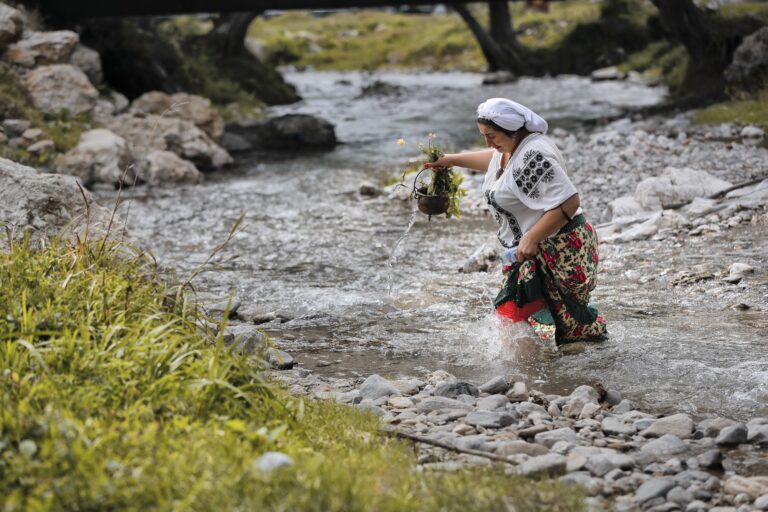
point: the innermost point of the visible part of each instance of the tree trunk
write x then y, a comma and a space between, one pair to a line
502, 53
707, 56
229, 30
500, 21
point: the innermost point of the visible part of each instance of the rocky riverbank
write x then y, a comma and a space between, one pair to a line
624, 457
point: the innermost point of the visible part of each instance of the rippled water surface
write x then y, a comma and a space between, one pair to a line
358, 302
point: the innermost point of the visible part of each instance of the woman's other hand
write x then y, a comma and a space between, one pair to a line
528, 248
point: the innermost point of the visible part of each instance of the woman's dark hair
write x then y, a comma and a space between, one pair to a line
488, 122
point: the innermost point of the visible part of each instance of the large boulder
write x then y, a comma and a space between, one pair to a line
89, 62
100, 156
11, 25
48, 205
42, 48
749, 67
60, 87
185, 106
162, 167
291, 131
172, 134
676, 186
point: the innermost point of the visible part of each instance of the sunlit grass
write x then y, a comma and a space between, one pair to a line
753, 110
377, 39
112, 399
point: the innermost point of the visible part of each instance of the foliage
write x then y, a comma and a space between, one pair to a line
749, 110
112, 399
662, 60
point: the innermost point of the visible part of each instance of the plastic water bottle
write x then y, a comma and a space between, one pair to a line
508, 258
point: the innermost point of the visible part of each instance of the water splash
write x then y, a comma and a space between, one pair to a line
394, 254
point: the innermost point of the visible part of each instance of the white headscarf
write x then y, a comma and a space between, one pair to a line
511, 115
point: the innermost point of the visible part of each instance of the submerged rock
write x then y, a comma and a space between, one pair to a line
292, 131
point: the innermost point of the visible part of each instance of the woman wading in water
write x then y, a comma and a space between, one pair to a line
550, 258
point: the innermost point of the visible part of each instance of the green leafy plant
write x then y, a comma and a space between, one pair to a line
445, 181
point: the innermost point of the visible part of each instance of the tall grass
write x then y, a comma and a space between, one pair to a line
112, 399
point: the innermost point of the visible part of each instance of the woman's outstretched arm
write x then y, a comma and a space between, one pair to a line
477, 160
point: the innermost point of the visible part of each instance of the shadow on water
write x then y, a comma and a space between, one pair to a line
365, 285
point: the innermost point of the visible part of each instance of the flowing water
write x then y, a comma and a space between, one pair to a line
364, 291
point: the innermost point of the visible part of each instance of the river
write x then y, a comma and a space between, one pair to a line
315, 252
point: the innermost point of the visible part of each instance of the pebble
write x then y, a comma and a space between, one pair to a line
551, 464
615, 426
518, 393
678, 425
495, 385
735, 434
654, 488
489, 419
551, 437
758, 434
454, 389
592, 485
492, 402
601, 464
376, 386
665, 445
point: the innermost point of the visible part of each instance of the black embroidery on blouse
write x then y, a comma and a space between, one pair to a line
535, 169
498, 211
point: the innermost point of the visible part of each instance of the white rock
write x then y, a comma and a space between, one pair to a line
163, 167
42, 48
191, 107
173, 134
755, 486
60, 87
11, 24
376, 386
100, 156
678, 425
750, 132
89, 62
48, 205
677, 185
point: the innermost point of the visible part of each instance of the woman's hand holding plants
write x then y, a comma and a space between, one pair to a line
440, 164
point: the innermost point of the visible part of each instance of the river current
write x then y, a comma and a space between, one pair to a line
355, 301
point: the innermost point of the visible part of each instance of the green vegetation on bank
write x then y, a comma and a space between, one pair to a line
111, 399
752, 110
63, 130
376, 39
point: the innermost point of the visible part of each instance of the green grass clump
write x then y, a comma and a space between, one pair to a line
111, 399
752, 110
368, 39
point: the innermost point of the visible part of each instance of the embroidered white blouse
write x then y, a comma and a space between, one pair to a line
534, 182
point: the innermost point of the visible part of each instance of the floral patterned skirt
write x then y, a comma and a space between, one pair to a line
560, 277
